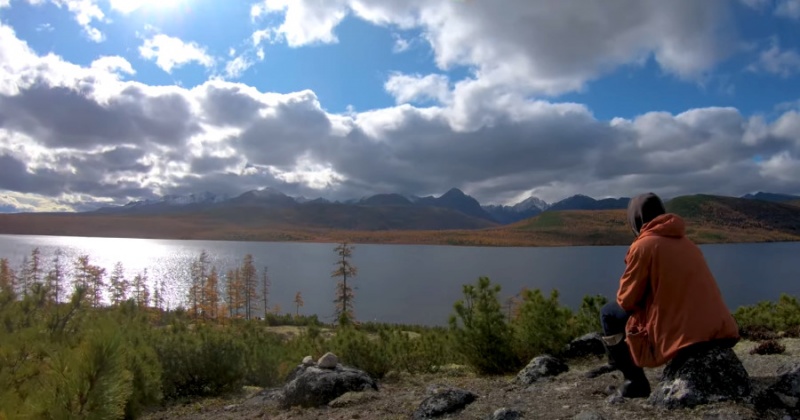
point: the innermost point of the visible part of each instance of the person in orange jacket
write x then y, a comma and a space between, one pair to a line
668, 303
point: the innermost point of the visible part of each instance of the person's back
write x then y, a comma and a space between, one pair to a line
668, 302
671, 293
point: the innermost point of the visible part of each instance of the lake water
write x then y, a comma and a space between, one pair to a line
416, 283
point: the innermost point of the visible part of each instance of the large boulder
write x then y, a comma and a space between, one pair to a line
443, 401
586, 345
784, 393
312, 386
541, 367
707, 376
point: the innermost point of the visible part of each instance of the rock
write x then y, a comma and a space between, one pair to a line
709, 376
230, 407
328, 361
615, 398
350, 399
505, 414
443, 401
587, 345
601, 370
541, 367
784, 393
308, 361
588, 415
314, 387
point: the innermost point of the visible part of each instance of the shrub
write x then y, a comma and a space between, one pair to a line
480, 331
543, 326
357, 349
768, 347
757, 333
199, 363
588, 317
782, 315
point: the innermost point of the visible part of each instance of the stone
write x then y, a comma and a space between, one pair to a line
505, 414
586, 345
443, 401
588, 415
599, 371
308, 361
541, 367
350, 399
784, 393
708, 376
313, 386
328, 361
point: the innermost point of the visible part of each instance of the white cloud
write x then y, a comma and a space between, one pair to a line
113, 64
86, 12
400, 44
171, 52
5, 3
788, 8
774, 60
410, 88
236, 67
535, 45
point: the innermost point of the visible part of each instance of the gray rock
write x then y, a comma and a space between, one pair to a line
708, 376
505, 414
314, 387
328, 361
588, 415
350, 399
541, 367
784, 393
585, 345
444, 401
308, 361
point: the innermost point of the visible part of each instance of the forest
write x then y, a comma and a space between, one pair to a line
98, 345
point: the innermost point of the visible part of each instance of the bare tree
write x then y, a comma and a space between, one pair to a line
298, 302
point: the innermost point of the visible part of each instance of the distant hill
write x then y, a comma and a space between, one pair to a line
455, 199
583, 202
777, 198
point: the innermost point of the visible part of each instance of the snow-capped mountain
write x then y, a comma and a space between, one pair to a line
530, 203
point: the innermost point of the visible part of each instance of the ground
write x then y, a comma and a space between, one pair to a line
562, 398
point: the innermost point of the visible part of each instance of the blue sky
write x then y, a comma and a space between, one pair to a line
503, 101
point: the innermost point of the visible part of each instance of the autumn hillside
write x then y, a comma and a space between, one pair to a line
710, 219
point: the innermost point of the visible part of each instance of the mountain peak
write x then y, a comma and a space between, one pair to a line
454, 192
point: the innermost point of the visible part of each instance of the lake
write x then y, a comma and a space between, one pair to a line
415, 283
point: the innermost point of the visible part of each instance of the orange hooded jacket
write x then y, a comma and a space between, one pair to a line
671, 294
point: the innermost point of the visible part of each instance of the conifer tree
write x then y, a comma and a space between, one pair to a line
119, 285
210, 303
199, 274
82, 272
140, 292
55, 279
248, 283
265, 285
24, 277
34, 270
233, 290
7, 277
344, 292
96, 284
298, 302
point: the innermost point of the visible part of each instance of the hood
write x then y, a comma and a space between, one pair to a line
642, 209
667, 225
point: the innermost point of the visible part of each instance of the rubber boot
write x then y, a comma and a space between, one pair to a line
636, 384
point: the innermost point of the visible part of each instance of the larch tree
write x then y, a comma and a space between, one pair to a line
265, 285
298, 302
118, 284
233, 291
34, 271
344, 292
24, 277
248, 283
7, 277
55, 279
199, 273
210, 306
96, 284
140, 292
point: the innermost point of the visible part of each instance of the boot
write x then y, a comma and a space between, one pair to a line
636, 384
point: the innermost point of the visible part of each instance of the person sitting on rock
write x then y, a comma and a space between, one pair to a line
668, 303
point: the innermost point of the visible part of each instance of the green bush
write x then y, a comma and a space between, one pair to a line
783, 315
587, 319
480, 331
543, 325
199, 363
358, 349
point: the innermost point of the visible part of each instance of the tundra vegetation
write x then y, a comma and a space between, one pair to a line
95, 344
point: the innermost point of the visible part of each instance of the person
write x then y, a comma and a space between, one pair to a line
668, 302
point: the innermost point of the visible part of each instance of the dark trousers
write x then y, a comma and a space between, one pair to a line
613, 319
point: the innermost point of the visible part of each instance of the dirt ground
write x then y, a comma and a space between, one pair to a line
561, 398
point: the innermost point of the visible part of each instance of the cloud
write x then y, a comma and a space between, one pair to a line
82, 135
170, 52
788, 9
534, 45
5, 3
86, 12
400, 44
410, 88
774, 60
236, 67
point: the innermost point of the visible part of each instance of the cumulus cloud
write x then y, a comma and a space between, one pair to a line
533, 45
774, 60
86, 12
170, 52
83, 135
788, 8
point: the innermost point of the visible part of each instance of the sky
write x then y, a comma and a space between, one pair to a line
107, 101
